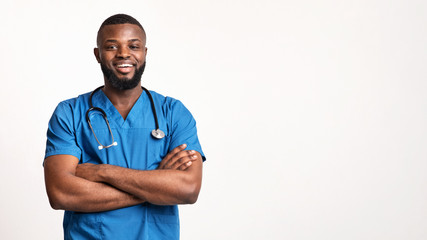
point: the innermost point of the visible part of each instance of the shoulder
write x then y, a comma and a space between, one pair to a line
166, 102
73, 104
157, 97
69, 111
173, 109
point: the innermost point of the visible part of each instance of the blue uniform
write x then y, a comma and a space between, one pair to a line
69, 133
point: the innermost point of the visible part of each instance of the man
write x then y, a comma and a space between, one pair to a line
128, 189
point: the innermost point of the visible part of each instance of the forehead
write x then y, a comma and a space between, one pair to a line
121, 32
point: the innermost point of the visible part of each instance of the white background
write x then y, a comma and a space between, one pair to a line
312, 114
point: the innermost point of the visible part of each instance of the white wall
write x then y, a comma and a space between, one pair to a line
312, 113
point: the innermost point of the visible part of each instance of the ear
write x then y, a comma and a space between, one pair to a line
145, 53
96, 52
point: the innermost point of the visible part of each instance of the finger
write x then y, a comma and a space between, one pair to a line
179, 159
194, 158
172, 156
185, 166
172, 153
183, 161
168, 164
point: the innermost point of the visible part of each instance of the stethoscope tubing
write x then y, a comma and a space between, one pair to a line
156, 133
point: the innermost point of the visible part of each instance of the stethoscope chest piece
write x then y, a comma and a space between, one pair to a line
157, 133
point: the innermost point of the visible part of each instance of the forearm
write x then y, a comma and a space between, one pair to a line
84, 196
177, 181
69, 192
162, 187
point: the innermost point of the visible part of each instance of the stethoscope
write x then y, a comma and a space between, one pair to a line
156, 133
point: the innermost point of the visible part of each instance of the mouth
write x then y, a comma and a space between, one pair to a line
124, 68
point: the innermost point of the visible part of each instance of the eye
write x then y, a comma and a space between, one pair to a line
111, 47
134, 47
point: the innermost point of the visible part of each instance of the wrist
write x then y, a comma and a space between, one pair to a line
102, 173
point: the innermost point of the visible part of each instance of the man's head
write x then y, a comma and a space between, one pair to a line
121, 51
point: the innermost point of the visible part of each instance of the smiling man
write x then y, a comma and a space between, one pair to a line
121, 158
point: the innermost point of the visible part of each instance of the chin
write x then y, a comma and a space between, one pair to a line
123, 82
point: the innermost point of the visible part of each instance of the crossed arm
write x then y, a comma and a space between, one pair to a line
101, 187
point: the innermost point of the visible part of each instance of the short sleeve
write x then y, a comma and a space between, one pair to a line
184, 129
61, 134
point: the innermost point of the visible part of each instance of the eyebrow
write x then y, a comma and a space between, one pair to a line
131, 40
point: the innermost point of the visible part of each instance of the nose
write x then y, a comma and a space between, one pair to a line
123, 52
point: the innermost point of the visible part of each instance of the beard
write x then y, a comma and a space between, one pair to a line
122, 83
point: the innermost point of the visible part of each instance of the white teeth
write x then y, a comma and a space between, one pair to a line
124, 65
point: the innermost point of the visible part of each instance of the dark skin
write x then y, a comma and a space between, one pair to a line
121, 44
101, 187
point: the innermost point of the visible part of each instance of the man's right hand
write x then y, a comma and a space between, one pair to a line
178, 158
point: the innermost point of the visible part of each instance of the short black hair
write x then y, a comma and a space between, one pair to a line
119, 19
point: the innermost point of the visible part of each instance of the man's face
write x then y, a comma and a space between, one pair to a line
121, 52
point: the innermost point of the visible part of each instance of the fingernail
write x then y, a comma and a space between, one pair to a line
194, 156
184, 145
189, 163
192, 152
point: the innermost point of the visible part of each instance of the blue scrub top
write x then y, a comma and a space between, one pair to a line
69, 133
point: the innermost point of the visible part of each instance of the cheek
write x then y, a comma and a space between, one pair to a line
105, 56
140, 58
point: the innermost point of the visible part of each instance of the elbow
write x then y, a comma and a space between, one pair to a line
58, 201
192, 199
55, 203
56, 206
191, 194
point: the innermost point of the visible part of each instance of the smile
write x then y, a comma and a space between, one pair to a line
124, 68
124, 65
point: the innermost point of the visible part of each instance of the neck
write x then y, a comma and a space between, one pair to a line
123, 100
